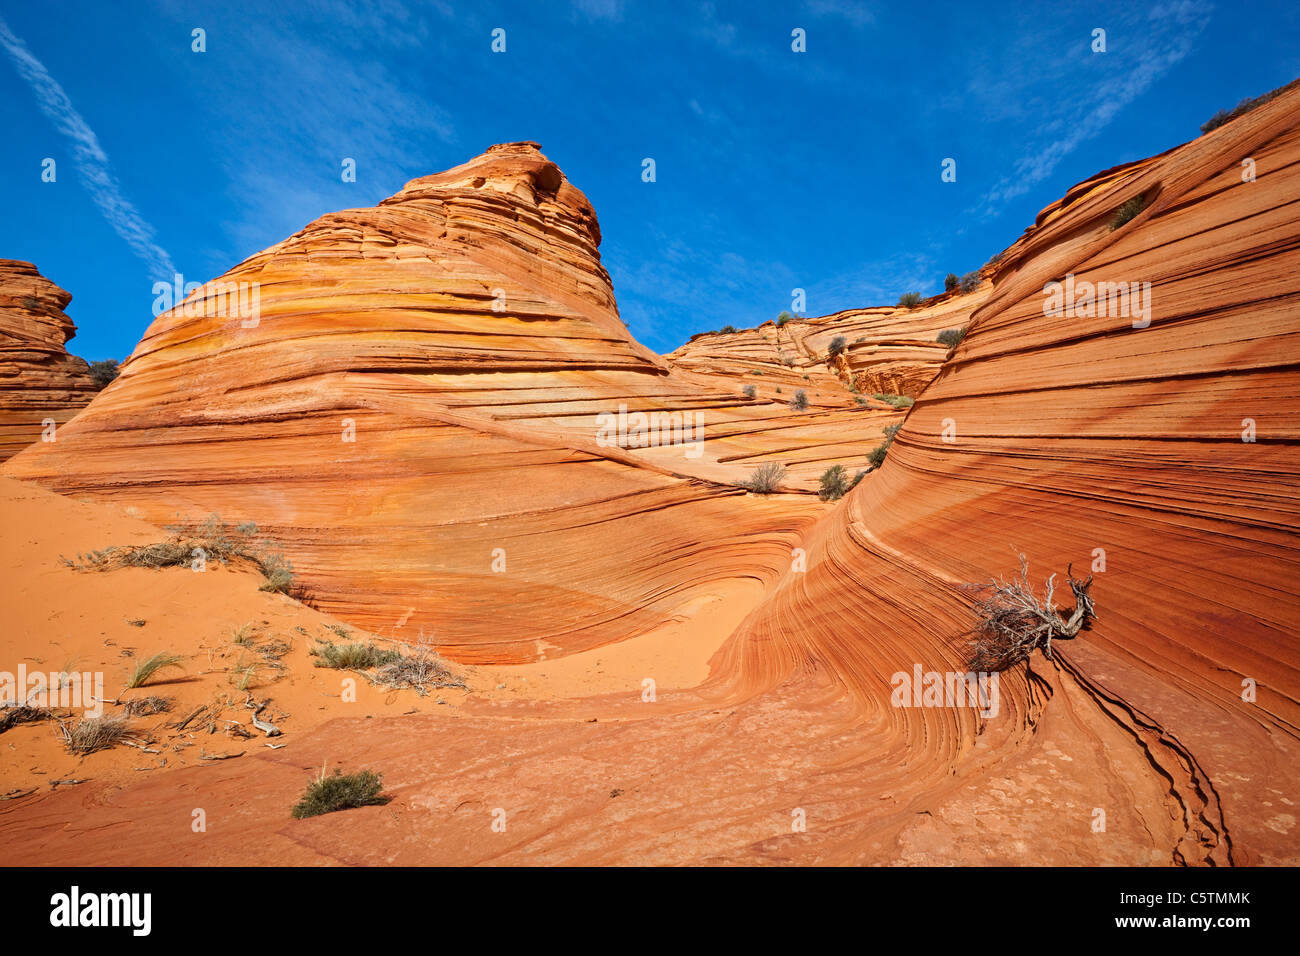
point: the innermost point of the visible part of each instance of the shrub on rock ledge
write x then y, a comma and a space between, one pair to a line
1011, 621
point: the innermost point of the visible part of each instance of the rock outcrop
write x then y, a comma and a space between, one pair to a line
41, 385
417, 400
1157, 448
432, 463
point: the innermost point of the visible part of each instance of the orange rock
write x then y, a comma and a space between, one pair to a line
40, 383
477, 503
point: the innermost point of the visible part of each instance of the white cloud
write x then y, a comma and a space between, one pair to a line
1160, 40
89, 157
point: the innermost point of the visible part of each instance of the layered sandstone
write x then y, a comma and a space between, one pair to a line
409, 398
1163, 456
41, 385
476, 504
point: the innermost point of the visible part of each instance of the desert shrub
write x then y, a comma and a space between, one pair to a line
727, 329
148, 706
909, 300
1127, 211
750, 391
216, 540
147, 668
94, 733
787, 361
1245, 106
1011, 621
355, 657
277, 573
877, 454
898, 401
765, 479
14, 714
340, 791
421, 670
952, 337
837, 345
970, 281
834, 483
783, 318
103, 372
950, 282
800, 400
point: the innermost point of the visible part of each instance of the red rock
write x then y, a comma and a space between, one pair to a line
39, 381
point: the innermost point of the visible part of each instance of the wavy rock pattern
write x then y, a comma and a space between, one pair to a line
1073, 438
39, 380
1058, 436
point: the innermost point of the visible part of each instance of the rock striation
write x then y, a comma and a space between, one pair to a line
40, 383
414, 415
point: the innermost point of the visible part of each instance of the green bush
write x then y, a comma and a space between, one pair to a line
340, 791
1245, 106
103, 372
838, 345
783, 318
952, 337
877, 455
834, 483
898, 401
765, 479
970, 281
909, 300
727, 329
1127, 211
800, 401
356, 657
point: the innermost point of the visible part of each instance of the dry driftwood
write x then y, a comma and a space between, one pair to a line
204, 755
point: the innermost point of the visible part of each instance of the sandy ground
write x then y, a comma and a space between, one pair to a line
104, 622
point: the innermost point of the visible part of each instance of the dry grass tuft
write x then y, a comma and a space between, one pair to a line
147, 668
94, 733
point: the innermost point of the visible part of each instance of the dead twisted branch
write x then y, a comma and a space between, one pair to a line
1011, 621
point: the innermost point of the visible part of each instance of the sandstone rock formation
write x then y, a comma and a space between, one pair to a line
473, 501
1164, 456
40, 382
410, 399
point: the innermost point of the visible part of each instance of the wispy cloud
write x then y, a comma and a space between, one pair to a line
856, 14
350, 99
1166, 34
611, 10
89, 157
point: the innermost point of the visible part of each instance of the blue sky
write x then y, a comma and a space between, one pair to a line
775, 169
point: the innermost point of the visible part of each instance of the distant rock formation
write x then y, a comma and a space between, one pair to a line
40, 382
